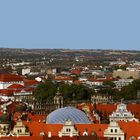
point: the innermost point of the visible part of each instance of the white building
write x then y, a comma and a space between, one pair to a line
68, 129
26, 71
114, 132
122, 114
122, 82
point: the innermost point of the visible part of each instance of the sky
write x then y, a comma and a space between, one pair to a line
70, 24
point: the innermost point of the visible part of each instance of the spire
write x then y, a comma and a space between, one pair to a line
58, 99
58, 92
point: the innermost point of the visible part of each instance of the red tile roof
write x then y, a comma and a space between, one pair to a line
36, 127
75, 71
10, 77
6, 92
97, 128
130, 129
30, 82
36, 117
106, 107
50, 138
16, 86
101, 79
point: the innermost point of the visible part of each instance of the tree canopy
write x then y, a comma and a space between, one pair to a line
76, 92
129, 92
46, 91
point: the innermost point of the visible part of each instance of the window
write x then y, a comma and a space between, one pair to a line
132, 138
119, 138
125, 115
4, 128
68, 130
115, 130
117, 115
111, 130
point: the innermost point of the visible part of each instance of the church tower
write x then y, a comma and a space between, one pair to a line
58, 99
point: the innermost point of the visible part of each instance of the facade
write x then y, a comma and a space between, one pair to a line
99, 98
122, 114
4, 128
114, 132
42, 107
20, 129
68, 129
124, 74
65, 79
23, 95
122, 82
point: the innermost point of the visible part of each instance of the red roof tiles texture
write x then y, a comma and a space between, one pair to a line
10, 77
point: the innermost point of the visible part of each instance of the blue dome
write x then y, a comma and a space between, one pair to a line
59, 116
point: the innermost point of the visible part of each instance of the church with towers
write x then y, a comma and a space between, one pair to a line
45, 107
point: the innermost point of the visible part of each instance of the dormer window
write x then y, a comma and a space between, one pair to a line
132, 138
85, 133
42, 133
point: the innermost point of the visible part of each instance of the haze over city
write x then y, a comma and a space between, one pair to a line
70, 24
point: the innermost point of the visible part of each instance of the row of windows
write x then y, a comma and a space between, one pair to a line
68, 129
19, 131
115, 130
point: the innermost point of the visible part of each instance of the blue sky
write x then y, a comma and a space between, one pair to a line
70, 24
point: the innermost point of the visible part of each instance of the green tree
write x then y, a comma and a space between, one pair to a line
45, 91
109, 83
20, 108
76, 92
129, 92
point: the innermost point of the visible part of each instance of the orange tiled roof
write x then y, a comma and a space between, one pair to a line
36, 117
135, 109
76, 71
51, 138
131, 128
10, 77
29, 82
97, 128
36, 127
101, 79
6, 92
108, 108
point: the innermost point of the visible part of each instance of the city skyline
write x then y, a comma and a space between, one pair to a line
70, 24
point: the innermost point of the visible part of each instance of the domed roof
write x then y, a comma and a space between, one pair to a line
59, 116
